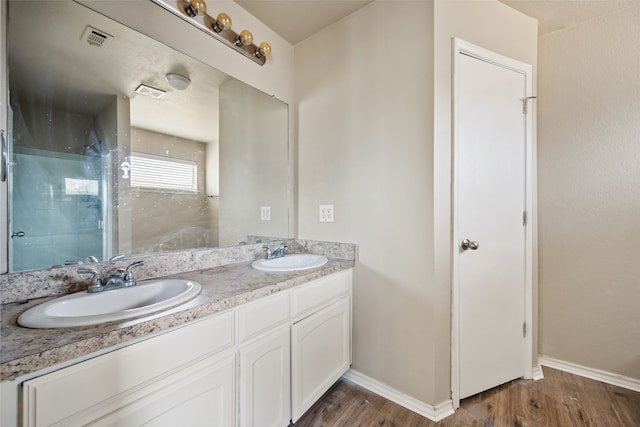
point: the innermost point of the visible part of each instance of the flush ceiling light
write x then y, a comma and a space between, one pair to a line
178, 81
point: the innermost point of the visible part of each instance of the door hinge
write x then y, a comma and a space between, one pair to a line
525, 218
3, 159
525, 102
525, 331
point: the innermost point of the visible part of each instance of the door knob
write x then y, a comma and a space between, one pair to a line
469, 244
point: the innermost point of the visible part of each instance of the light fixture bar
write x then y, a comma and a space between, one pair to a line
206, 23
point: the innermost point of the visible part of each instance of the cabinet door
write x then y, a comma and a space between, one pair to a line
320, 348
264, 397
200, 396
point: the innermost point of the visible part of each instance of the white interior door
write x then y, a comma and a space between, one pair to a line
489, 204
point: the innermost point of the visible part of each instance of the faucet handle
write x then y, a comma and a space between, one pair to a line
268, 249
129, 273
96, 281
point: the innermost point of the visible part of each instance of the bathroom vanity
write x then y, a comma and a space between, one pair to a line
254, 349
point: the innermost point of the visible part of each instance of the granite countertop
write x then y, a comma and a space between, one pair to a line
25, 351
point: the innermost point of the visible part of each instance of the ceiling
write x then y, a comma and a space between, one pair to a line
556, 15
44, 35
295, 20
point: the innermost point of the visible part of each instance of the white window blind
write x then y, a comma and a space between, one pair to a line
162, 173
80, 187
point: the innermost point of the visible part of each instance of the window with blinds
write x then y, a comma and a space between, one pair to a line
163, 173
81, 187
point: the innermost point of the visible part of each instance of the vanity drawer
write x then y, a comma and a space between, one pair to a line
307, 298
89, 386
257, 317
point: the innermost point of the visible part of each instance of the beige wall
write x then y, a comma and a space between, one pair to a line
367, 101
364, 133
589, 187
45, 128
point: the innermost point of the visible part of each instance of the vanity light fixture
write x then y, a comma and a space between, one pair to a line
245, 37
263, 50
222, 23
196, 8
178, 81
195, 12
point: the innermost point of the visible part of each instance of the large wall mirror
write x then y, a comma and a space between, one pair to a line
119, 144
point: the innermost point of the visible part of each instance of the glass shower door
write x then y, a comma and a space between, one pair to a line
55, 208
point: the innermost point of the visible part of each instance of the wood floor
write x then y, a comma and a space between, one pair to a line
560, 399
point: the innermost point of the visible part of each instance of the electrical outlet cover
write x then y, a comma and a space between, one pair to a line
326, 213
265, 213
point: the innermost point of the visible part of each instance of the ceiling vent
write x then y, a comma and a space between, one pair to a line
153, 92
96, 37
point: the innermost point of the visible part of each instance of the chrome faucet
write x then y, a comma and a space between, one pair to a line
277, 252
116, 279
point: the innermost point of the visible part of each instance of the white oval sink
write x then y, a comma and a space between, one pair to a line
293, 262
83, 308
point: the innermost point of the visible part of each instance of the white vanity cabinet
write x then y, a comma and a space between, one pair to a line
320, 339
264, 368
260, 364
188, 373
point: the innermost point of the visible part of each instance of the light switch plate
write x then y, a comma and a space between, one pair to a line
326, 213
265, 213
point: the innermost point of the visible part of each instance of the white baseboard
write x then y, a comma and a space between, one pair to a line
594, 374
536, 373
434, 413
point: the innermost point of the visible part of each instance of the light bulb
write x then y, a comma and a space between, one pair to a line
245, 37
223, 22
196, 7
263, 50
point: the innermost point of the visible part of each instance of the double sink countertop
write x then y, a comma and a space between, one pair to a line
24, 351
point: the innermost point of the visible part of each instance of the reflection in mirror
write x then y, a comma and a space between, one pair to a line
110, 156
